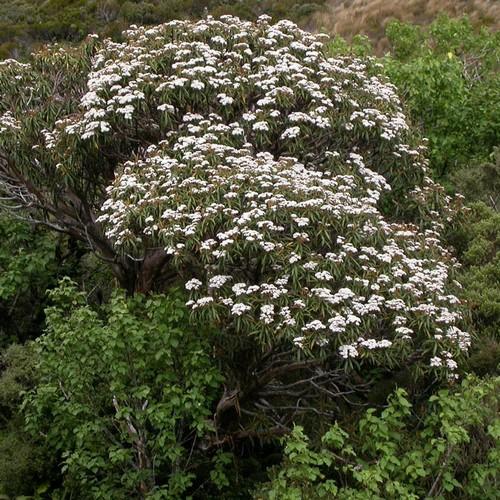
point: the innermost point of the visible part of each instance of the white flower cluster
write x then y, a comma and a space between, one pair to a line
266, 164
8, 122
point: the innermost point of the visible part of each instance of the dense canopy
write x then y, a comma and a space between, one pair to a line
282, 186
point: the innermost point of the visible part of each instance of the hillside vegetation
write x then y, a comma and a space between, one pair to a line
371, 17
27, 23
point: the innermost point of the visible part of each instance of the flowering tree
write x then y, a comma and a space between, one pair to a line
283, 188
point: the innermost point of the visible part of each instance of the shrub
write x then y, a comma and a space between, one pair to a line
480, 278
449, 78
123, 394
32, 260
480, 182
450, 452
28, 265
24, 463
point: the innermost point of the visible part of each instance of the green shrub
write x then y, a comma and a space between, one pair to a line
448, 75
479, 246
450, 451
123, 394
480, 181
32, 260
28, 266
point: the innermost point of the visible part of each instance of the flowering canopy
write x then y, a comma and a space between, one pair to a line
282, 186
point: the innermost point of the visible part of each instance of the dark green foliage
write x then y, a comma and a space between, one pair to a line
25, 24
449, 452
32, 260
28, 265
24, 465
481, 280
18, 375
123, 395
359, 46
480, 181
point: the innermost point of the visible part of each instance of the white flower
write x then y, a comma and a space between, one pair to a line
218, 281
301, 221
267, 313
267, 246
323, 276
166, 107
299, 342
248, 117
193, 284
204, 301
451, 364
314, 326
225, 100
261, 126
436, 361
197, 84
300, 304
348, 351
352, 319
403, 330
337, 324
126, 111
239, 308
290, 133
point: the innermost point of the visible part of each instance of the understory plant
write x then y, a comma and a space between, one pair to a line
123, 395
447, 73
450, 451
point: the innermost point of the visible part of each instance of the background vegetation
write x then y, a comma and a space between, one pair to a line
28, 23
371, 18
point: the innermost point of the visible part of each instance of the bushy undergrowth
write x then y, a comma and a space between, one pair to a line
448, 76
28, 266
122, 395
452, 451
25, 465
